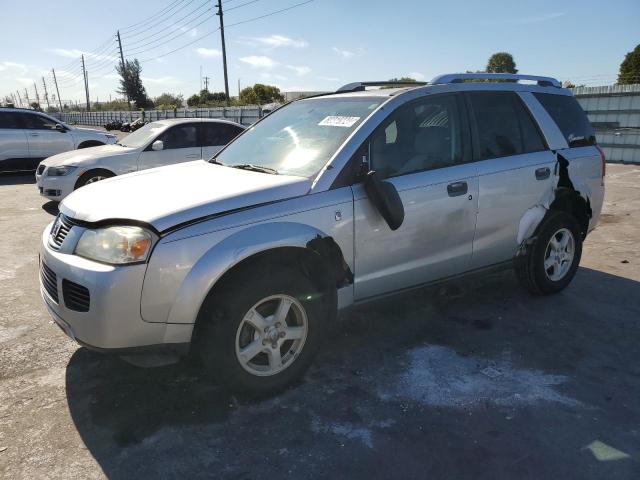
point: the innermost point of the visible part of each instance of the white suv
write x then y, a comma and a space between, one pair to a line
27, 137
156, 144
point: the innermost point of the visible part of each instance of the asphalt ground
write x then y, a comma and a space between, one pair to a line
472, 380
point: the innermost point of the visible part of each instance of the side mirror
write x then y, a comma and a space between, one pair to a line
157, 146
386, 199
61, 128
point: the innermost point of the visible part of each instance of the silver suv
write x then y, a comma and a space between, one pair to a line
327, 202
27, 137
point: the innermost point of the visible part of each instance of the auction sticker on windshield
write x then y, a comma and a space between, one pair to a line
338, 121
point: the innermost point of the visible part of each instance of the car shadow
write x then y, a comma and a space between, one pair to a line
174, 421
18, 178
51, 207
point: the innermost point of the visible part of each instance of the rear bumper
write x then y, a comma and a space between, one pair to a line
112, 320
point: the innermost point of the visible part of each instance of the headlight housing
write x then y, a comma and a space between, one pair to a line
116, 245
60, 171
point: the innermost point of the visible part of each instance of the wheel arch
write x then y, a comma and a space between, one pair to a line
314, 252
90, 143
93, 169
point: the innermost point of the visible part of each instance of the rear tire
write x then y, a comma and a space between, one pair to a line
554, 257
246, 341
93, 176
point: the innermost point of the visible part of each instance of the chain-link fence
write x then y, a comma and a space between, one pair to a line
244, 115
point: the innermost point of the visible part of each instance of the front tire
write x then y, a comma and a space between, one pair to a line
259, 333
554, 257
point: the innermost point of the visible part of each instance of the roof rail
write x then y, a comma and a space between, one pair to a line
360, 86
461, 77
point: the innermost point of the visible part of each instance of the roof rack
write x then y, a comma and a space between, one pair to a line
361, 86
461, 77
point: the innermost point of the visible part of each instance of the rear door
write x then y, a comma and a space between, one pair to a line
515, 171
420, 149
44, 140
14, 148
216, 135
180, 144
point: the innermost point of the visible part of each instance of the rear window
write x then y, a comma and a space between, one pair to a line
570, 118
504, 126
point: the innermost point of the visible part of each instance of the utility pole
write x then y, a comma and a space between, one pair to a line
55, 81
124, 70
238, 89
200, 78
86, 83
19, 98
206, 83
224, 51
37, 96
26, 94
46, 95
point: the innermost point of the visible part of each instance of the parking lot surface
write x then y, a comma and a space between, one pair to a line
471, 380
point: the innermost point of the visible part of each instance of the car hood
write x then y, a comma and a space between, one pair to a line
168, 196
75, 157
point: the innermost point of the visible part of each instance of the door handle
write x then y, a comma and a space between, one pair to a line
35, 134
456, 189
543, 173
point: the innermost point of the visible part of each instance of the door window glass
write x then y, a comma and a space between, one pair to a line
8, 120
419, 136
180, 136
504, 127
37, 122
215, 134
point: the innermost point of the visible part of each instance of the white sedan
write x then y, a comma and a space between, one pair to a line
156, 144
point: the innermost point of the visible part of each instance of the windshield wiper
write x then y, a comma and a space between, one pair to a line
215, 161
256, 168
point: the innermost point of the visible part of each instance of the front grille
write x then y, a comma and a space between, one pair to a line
59, 231
41, 169
49, 281
76, 297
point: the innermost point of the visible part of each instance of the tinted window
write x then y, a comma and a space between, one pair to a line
180, 136
218, 133
570, 118
8, 120
37, 122
420, 136
504, 126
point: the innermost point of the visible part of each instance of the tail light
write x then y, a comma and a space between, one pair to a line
604, 162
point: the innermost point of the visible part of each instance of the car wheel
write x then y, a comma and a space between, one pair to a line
554, 257
261, 332
93, 176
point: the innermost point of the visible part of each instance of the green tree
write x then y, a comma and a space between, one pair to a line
168, 101
207, 99
260, 94
501, 62
131, 83
630, 68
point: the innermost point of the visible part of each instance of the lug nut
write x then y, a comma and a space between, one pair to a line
282, 334
264, 342
277, 324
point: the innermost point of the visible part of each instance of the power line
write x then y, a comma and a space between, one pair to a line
160, 12
136, 51
153, 25
174, 24
240, 6
270, 14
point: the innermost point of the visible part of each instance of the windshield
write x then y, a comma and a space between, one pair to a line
143, 136
300, 138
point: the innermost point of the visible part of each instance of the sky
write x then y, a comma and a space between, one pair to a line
319, 45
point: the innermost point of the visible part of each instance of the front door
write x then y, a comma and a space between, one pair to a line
180, 144
44, 140
420, 149
216, 135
